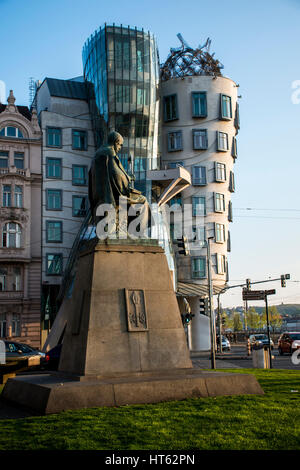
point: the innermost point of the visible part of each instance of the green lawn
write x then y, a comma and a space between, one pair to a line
271, 421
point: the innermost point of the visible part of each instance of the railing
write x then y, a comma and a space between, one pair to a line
9, 294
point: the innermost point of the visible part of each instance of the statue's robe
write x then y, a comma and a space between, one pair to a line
108, 181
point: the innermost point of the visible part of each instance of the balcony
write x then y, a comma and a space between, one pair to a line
11, 295
13, 170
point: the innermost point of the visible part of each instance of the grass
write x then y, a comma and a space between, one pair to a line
247, 422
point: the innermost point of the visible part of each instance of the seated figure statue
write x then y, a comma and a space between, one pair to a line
109, 184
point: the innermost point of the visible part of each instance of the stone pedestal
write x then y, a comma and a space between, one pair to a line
124, 340
123, 315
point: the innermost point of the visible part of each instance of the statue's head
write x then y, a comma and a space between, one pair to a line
115, 140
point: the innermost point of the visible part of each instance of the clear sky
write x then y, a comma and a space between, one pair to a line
258, 42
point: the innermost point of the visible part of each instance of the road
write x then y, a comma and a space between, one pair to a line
237, 358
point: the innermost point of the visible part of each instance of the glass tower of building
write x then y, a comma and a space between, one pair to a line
121, 67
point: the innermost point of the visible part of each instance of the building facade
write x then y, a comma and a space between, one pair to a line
67, 150
200, 120
20, 223
121, 64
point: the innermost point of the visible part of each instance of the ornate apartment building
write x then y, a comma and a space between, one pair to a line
20, 223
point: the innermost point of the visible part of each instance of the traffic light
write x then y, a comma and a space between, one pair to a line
248, 284
283, 281
204, 306
183, 243
223, 320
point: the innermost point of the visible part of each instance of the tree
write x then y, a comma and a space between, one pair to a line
237, 323
253, 319
275, 319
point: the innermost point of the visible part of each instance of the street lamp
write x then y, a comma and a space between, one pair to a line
210, 293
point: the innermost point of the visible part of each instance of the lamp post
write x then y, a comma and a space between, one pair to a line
211, 314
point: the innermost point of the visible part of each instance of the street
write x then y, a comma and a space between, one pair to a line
237, 358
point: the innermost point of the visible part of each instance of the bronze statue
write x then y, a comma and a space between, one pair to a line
108, 180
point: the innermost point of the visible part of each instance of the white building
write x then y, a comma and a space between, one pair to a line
200, 120
67, 151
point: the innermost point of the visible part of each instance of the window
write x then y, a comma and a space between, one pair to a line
54, 231
54, 199
175, 200
16, 277
18, 196
54, 264
219, 202
79, 140
199, 235
10, 278
226, 111
199, 175
228, 241
142, 96
200, 141
222, 141
19, 160
3, 278
221, 264
220, 172
175, 164
234, 147
54, 137
54, 168
122, 54
79, 175
199, 205
231, 182
219, 233
237, 117
3, 159
123, 94
199, 267
170, 108
230, 215
79, 206
11, 131
11, 235
15, 325
6, 202
174, 141
2, 325
199, 104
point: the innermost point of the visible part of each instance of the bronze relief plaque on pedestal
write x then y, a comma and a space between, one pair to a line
136, 310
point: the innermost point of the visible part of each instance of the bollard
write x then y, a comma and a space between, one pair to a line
260, 357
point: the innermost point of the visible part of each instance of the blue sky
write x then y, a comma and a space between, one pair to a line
258, 43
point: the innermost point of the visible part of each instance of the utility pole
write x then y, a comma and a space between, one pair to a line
211, 312
268, 331
220, 325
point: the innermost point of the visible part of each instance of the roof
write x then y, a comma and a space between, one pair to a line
67, 88
24, 110
192, 289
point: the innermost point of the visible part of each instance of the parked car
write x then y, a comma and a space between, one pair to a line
288, 342
52, 358
261, 339
225, 343
19, 354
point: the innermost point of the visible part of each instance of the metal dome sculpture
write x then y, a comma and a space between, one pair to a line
186, 61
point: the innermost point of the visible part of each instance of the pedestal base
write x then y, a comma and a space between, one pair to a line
48, 394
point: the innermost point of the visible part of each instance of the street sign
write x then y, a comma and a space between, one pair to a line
270, 292
257, 294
